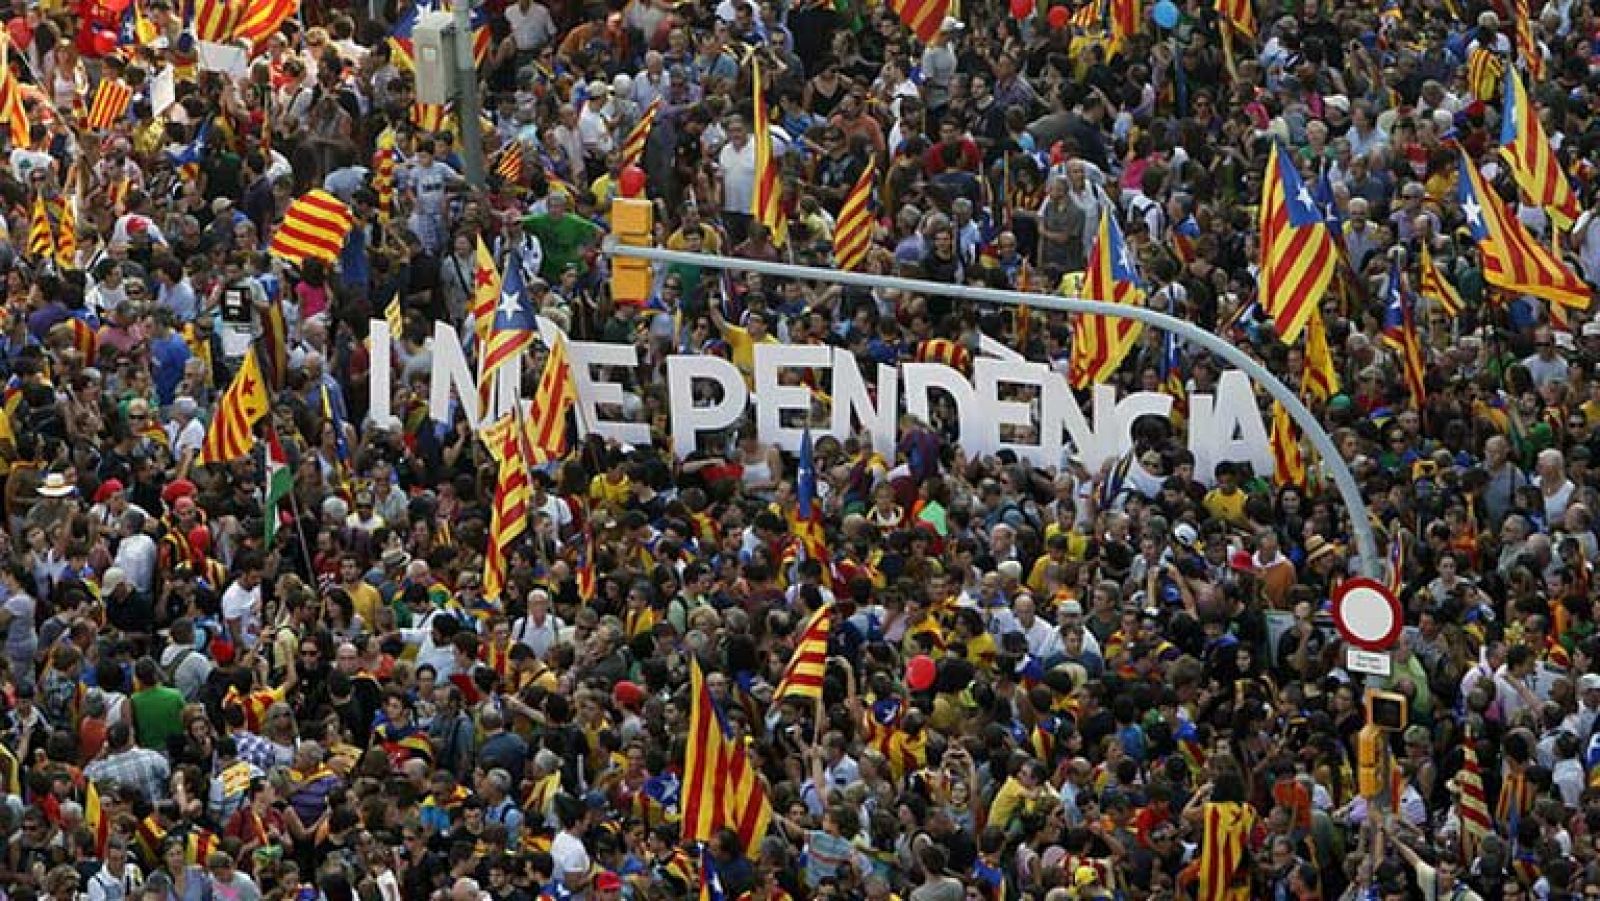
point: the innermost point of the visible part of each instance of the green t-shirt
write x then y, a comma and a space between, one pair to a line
563, 241
157, 715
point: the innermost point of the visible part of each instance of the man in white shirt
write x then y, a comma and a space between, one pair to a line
431, 632
736, 163
594, 129
136, 552
567, 852
185, 432
241, 603
531, 25
652, 82
538, 630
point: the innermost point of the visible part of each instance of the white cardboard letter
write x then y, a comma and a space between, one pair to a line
851, 399
688, 420
450, 370
920, 377
381, 370
989, 374
773, 398
1214, 423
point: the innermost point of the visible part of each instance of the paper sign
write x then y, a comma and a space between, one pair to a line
163, 91
224, 58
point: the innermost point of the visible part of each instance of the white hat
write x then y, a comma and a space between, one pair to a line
55, 485
1185, 535
1589, 682
1564, 340
1337, 101
951, 23
1591, 329
598, 87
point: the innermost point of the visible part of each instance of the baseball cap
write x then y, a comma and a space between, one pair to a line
608, 881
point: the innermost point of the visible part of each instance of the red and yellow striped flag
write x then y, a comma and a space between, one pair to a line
11, 108
94, 817
428, 116
1432, 284
1533, 161
1512, 259
1288, 463
67, 236
10, 773
1125, 15
512, 496
720, 788
510, 164
1320, 377
1222, 846
315, 225
1100, 343
1485, 71
232, 431
262, 18
1240, 14
633, 148
1527, 47
1298, 256
485, 292
853, 233
41, 239
86, 341
802, 678
923, 17
767, 199
216, 21
383, 164
1087, 16
556, 396
111, 101
1472, 806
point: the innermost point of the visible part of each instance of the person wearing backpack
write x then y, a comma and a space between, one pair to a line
185, 668
157, 707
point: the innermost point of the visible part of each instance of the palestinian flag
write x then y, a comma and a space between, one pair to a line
279, 481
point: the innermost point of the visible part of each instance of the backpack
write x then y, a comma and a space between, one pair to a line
171, 670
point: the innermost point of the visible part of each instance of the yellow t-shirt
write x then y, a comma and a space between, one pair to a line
742, 346
611, 495
1228, 508
365, 599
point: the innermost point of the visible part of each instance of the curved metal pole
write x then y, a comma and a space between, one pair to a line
1343, 480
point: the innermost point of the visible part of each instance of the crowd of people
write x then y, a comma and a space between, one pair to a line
1040, 682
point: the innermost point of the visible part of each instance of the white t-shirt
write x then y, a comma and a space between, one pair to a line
569, 856
738, 176
243, 604
532, 28
190, 437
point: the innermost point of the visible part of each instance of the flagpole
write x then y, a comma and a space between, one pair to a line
1227, 49
300, 532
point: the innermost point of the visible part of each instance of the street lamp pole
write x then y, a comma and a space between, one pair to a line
468, 107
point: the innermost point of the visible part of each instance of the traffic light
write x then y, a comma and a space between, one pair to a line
1370, 768
633, 220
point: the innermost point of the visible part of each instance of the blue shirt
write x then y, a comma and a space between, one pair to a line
168, 356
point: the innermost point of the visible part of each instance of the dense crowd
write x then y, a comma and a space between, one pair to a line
1040, 682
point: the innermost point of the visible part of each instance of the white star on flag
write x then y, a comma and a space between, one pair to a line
1474, 212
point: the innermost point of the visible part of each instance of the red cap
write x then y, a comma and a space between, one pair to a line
627, 695
1241, 561
176, 489
608, 881
200, 540
106, 489
222, 651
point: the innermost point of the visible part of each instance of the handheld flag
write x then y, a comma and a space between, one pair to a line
1533, 160
263, 18
767, 198
1400, 335
1288, 463
720, 788
1172, 376
280, 481
41, 239
633, 147
1238, 13
232, 431
852, 236
923, 17
511, 330
383, 163
1512, 259
315, 225
94, 817
557, 395
512, 497
1099, 343
111, 101
1320, 377
1433, 285
215, 20
485, 292
802, 678
808, 530
1298, 256
1527, 47
1485, 72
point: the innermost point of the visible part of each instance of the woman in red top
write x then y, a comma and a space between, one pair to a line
260, 824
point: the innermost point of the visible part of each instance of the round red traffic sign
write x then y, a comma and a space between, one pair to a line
1367, 614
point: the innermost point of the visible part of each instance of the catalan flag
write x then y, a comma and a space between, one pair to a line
485, 293
428, 116
1125, 15
1088, 16
11, 108
710, 877
263, 18
198, 846
1533, 160
187, 160
511, 331
808, 530
767, 198
802, 678
216, 20
1512, 259
633, 147
1298, 256
1226, 831
95, 818
1320, 377
1485, 72
1400, 335
315, 225
1395, 578
1099, 343
1184, 237
512, 496
944, 351
232, 431
1171, 370
85, 339
585, 577
67, 236
1238, 13
1527, 47
1433, 285
510, 164
383, 164
400, 34
394, 316
1288, 463
10, 773
1472, 806
111, 101
556, 396
41, 239
720, 787
923, 17
852, 235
